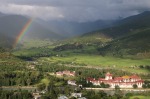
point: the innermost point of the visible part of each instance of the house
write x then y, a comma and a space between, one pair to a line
122, 82
82, 98
76, 95
72, 82
43, 91
62, 97
36, 95
59, 73
67, 73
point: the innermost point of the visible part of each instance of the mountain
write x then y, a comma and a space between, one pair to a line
137, 44
126, 26
71, 29
11, 25
6, 42
116, 29
131, 37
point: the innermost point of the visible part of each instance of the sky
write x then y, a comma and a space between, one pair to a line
75, 10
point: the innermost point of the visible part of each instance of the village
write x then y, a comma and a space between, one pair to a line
125, 83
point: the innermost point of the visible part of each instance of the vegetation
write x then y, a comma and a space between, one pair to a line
136, 44
19, 94
35, 63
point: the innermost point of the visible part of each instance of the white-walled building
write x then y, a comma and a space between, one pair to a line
67, 73
122, 82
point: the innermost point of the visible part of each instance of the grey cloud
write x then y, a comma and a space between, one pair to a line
75, 10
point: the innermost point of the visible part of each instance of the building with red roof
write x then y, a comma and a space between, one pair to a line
122, 82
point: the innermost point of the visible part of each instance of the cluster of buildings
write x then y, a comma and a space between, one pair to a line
122, 82
67, 73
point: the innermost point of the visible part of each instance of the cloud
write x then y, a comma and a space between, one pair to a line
44, 12
75, 10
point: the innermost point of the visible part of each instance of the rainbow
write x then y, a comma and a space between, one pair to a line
22, 32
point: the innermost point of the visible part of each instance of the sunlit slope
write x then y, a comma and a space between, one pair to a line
138, 43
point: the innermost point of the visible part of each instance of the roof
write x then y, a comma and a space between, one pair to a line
118, 78
73, 81
125, 77
140, 81
135, 77
62, 97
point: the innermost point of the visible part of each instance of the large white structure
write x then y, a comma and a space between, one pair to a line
122, 82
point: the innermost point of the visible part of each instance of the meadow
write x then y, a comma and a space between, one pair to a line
100, 61
140, 97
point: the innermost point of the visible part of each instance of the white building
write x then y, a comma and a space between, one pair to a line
72, 82
122, 82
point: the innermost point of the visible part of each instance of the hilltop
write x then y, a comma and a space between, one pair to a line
125, 26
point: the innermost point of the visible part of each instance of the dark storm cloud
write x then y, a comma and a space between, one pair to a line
75, 10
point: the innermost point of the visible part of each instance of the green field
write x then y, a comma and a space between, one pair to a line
36, 43
140, 97
95, 60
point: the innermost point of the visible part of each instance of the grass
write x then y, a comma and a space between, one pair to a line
100, 61
88, 38
36, 43
140, 97
95, 60
27, 52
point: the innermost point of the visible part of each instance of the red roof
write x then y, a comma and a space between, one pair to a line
118, 78
135, 77
140, 81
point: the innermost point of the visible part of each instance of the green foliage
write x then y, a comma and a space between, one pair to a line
41, 86
15, 95
19, 78
146, 84
68, 47
136, 44
135, 86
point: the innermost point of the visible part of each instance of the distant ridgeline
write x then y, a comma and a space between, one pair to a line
131, 36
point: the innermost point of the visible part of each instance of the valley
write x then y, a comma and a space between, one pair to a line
51, 65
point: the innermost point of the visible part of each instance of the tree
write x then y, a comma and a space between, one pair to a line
144, 86
28, 81
102, 85
135, 86
41, 86
118, 92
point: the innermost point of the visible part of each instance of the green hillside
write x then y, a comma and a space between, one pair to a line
137, 44
127, 37
126, 26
